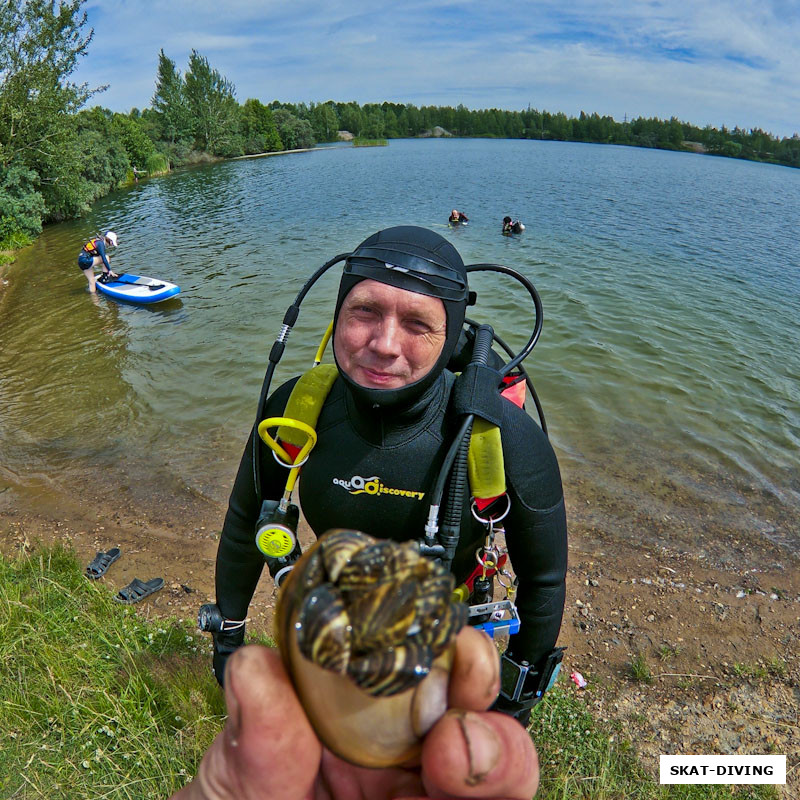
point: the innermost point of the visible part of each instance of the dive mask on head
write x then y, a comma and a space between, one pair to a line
416, 260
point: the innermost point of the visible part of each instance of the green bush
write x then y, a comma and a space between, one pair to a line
137, 144
21, 205
295, 133
157, 164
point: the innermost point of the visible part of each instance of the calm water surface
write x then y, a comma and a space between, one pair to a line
668, 366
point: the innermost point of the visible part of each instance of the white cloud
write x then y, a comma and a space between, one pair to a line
708, 62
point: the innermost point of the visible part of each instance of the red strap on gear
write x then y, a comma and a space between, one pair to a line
482, 503
478, 571
291, 449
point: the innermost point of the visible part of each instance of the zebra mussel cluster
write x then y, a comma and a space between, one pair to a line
366, 629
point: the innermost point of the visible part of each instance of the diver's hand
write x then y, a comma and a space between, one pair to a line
268, 748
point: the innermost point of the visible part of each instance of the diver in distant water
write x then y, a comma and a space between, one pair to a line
93, 254
457, 217
512, 226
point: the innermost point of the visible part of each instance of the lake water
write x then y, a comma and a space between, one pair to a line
668, 365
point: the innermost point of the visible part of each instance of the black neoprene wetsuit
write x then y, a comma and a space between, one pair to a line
372, 469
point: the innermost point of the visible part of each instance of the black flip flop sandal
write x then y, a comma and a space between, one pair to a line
101, 562
137, 590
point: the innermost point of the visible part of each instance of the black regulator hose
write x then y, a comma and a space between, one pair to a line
275, 355
528, 382
455, 467
537, 304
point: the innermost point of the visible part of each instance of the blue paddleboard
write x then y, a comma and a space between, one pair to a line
138, 289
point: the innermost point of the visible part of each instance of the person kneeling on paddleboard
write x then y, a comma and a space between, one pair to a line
93, 254
391, 427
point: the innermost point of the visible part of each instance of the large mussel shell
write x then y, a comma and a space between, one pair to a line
366, 630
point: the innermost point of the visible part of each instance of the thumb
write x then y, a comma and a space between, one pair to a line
268, 748
471, 754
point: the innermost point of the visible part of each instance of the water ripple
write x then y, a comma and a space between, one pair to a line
670, 354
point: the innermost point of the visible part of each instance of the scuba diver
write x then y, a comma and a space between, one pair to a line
393, 434
512, 226
93, 254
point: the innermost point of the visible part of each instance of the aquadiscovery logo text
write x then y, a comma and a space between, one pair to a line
374, 485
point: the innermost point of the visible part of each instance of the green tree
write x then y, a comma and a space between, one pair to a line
374, 127
515, 128
212, 101
390, 124
675, 132
462, 123
295, 133
353, 119
325, 122
21, 206
258, 128
137, 144
557, 126
170, 103
103, 156
40, 44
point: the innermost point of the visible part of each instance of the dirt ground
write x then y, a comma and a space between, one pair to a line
717, 652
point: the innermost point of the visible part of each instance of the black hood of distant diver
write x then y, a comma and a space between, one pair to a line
421, 261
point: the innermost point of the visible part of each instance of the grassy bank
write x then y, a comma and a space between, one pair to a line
95, 701
98, 701
10, 244
360, 142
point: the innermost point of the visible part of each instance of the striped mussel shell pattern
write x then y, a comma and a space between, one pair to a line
373, 610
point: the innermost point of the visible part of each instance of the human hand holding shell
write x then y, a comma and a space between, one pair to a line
366, 628
269, 748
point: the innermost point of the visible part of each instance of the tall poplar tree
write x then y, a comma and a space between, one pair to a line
170, 102
212, 100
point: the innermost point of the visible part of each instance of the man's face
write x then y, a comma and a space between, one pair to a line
386, 337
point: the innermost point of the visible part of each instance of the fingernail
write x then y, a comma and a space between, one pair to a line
483, 746
232, 726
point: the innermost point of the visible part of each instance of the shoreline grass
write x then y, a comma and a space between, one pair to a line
361, 142
97, 701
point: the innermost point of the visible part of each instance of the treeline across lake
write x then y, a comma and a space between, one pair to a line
393, 120
57, 156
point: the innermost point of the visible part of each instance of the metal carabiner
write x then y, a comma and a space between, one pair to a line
490, 559
490, 520
505, 574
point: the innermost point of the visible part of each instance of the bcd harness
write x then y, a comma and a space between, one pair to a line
296, 436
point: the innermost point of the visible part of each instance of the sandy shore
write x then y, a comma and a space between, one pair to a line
722, 647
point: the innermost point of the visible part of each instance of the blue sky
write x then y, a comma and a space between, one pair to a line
717, 62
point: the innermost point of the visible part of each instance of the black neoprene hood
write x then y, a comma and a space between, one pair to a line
417, 260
